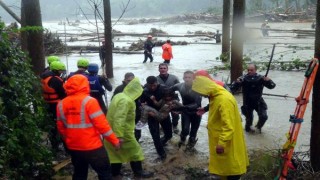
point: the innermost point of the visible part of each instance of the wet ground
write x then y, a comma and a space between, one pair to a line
203, 56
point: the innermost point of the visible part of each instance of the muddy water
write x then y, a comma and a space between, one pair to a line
202, 56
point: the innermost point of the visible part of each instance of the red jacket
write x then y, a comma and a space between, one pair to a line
80, 119
167, 51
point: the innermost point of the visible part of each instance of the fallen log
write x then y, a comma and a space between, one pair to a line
64, 163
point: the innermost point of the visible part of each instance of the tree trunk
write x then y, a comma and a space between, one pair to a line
108, 38
315, 118
32, 40
226, 29
237, 38
287, 4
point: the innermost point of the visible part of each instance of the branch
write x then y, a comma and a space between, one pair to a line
124, 9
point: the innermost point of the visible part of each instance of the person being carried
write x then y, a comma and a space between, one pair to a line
167, 104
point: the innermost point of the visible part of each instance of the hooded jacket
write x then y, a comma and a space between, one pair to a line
121, 115
80, 119
167, 51
224, 128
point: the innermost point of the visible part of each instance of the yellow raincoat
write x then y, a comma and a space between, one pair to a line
224, 128
121, 117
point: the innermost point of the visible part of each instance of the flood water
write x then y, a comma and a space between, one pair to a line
203, 56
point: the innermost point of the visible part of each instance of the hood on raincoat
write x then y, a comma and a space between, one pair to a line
133, 89
205, 73
77, 84
205, 86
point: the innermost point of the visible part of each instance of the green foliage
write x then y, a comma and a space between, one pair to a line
263, 164
225, 57
22, 154
31, 29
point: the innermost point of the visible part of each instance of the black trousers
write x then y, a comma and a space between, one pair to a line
174, 119
166, 61
146, 56
188, 120
154, 129
97, 159
261, 109
136, 167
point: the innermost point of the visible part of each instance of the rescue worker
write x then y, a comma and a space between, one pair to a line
167, 52
53, 92
153, 88
97, 83
127, 78
202, 72
169, 80
189, 118
252, 88
81, 123
121, 116
227, 147
148, 45
82, 65
265, 29
51, 59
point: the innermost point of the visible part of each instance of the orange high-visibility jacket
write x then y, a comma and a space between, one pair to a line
49, 94
167, 51
80, 119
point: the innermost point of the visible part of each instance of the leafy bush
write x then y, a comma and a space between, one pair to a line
22, 112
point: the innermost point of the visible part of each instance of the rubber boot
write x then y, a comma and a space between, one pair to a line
192, 142
182, 141
136, 167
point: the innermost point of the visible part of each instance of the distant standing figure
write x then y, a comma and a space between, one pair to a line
252, 87
265, 29
167, 52
217, 37
148, 45
227, 147
97, 83
102, 53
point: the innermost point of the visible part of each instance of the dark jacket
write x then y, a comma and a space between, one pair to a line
148, 45
252, 87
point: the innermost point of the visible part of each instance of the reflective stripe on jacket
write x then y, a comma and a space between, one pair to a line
48, 93
80, 119
95, 86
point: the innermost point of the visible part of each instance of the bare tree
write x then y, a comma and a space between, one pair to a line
315, 119
226, 29
32, 34
237, 39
